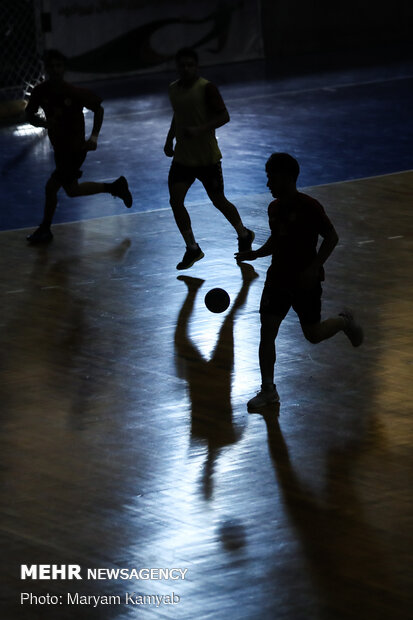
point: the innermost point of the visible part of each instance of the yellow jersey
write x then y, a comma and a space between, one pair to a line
190, 106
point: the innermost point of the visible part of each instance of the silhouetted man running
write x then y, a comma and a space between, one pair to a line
63, 104
294, 277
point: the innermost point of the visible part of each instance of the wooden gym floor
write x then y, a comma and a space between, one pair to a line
126, 442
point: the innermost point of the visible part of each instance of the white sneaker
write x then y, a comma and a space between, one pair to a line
353, 330
264, 397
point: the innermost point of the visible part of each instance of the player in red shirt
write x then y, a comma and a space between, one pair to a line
63, 104
296, 271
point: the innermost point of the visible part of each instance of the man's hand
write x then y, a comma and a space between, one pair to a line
247, 255
168, 149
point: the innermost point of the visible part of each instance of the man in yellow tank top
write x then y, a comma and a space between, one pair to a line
198, 111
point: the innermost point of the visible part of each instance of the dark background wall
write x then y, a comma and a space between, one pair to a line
326, 27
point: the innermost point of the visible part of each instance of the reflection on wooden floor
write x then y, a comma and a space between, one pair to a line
125, 437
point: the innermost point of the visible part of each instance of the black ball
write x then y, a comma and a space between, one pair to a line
217, 300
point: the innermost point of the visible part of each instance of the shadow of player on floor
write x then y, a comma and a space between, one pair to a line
343, 552
209, 380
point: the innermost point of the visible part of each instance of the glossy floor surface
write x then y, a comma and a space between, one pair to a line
340, 125
126, 441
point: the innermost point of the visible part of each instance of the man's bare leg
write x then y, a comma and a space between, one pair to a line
230, 212
193, 253
118, 188
268, 394
330, 327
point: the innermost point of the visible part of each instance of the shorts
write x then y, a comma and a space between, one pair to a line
210, 176
68, 164
277, 300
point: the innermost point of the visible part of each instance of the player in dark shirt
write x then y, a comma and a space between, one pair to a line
296, 271
63, 104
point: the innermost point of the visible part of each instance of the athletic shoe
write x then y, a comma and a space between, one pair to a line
120, 189
42, 235
190, 257
244, 243
263, 398
353, 330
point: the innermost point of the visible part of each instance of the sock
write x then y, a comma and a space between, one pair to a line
268, 386
189, 239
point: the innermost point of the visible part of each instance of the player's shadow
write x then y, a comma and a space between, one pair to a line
55, 321
342, 552
209, 380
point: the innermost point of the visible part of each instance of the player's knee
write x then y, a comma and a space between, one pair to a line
177, 205
71, 190
51, 188
219, 201
311, 334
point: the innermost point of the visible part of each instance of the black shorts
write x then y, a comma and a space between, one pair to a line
306, 303
210, 176
68, 164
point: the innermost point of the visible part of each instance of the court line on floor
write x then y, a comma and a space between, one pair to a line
204, 202
332, 87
